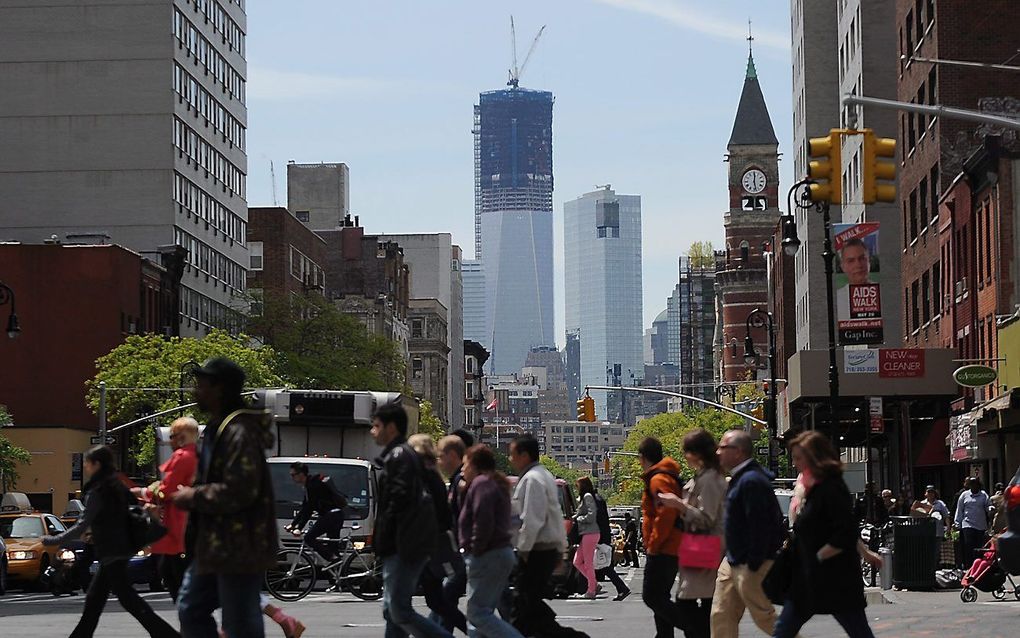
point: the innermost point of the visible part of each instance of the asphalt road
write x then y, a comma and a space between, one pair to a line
939, 614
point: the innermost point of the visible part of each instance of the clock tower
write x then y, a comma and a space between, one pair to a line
742, 279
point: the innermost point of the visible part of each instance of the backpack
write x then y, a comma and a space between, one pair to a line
339, 500
678, 523
422, 518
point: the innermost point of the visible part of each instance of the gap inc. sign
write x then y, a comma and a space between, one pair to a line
974, 376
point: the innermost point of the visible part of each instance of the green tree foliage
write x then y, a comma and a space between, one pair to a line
670, 429
151, 361
429, 423
320, 347
701, 254
561, 471
10, 455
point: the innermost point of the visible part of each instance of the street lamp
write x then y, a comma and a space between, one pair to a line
763, 319
790, 245
13, 325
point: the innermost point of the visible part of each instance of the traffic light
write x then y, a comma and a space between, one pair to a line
875, 168
586, 409
826, 167
758, 412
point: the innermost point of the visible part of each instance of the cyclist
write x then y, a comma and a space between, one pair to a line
321, 496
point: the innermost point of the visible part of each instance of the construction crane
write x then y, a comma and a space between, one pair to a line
272, 177
515, 71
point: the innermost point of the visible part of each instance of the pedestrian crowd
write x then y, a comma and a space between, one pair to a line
714, 548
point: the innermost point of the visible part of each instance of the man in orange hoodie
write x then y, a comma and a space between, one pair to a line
661, 536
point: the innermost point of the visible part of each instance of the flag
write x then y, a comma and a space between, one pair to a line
493, 405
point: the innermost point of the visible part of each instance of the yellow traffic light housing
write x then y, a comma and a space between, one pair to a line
758, 412
826, 168
586, 409
875, 168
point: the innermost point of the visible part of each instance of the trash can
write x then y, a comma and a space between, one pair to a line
914, 556
885, 575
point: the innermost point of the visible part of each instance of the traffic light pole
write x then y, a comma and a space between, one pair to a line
829, 256
763, 319
934, 110
680, 395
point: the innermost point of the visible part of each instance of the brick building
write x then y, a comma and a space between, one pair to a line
75, 303
285, 257
429, 352
368, 279
475, 356
934, 149
741, 277
977, 235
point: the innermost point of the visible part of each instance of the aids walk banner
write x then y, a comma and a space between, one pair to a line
855, 281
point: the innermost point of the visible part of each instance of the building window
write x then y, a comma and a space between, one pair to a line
926, 298
302, 216
915, 310
417, 328
469, 364
935, 190
469, 390
416, 368
936, 286
255, 255
469, 416
922, 201
913, 215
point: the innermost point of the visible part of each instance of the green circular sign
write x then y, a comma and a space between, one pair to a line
975, 376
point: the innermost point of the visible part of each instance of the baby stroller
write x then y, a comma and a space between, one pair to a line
987, 575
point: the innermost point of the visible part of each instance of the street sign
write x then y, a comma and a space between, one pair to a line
875, 412
900, 363
111, 439
762, 450
76, 466
974, 376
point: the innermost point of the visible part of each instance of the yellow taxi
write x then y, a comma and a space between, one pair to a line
27, 559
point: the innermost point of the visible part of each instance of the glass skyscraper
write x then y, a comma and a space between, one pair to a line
602, 272
513, 222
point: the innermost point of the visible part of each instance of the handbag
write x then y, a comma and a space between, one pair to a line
603, 556
700, 551
779, 580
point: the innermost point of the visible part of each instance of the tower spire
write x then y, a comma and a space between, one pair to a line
752, 73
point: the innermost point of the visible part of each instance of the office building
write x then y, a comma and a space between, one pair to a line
690, 326
514, 221
602, 273
546, 364
127, 121
319, 194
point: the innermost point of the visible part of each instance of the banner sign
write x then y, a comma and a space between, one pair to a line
875, 412
962, 437
900, 363
860, 361
855, 283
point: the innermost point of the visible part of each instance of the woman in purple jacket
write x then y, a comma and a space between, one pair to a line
485, 540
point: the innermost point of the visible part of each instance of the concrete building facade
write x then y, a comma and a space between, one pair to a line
430, 355
546, 362
128, 120
581, 445
602, 276
435, 266
319, 195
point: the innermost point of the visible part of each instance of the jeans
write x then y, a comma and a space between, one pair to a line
584, 560
487, 579
113, 577
237, 595
971, 540
630, 555
328, 525
657, 594
444, 608
400, 578
854, 623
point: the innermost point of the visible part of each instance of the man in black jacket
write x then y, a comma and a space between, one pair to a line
754, 533
405, 526
321, 497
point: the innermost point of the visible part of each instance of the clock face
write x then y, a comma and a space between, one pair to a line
753, 181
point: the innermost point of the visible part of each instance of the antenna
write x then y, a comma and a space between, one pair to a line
272, 177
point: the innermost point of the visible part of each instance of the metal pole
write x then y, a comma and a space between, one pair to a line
689, 397
102, 413
773, 416
979, 65
936, 110
828, 255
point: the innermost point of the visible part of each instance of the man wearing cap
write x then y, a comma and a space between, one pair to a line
231, 535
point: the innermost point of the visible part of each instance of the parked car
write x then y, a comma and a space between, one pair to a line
3, 568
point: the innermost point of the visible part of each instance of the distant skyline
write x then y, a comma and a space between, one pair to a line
646, 91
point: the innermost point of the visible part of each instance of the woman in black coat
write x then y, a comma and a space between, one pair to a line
826, 572
106, 513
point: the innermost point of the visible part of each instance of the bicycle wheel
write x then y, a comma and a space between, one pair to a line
361, 574
867, 573
293, 576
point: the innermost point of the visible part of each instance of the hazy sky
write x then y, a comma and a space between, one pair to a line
646, 91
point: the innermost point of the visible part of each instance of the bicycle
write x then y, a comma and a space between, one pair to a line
297, 571
874, 537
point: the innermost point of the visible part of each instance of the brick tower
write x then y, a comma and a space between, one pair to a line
742, 278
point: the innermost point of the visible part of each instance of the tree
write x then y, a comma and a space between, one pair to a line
323, 348
151, 361
10, 455
702, 255
670, 429
558, 470
429, 423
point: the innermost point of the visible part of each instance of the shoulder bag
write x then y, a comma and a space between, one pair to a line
699, 550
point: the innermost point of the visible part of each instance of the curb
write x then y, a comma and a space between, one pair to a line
877, 596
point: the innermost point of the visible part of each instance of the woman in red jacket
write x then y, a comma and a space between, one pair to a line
178, 471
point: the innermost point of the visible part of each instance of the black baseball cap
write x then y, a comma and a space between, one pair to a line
222, 371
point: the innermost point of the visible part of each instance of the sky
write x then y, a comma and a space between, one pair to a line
646, 92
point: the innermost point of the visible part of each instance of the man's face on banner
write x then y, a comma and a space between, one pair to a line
856, 263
